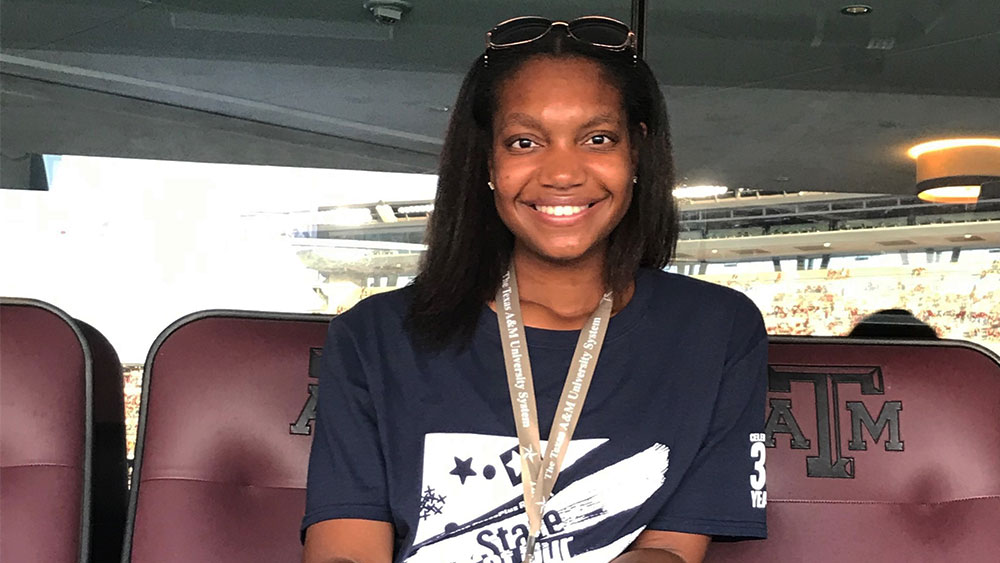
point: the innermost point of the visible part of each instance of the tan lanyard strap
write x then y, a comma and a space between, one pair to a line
537, 468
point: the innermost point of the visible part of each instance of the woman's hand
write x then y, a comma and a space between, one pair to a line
649, 555
654, 546
348, 540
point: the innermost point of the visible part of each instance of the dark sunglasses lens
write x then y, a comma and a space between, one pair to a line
600, 32
520, 30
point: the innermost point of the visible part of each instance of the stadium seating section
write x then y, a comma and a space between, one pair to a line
876, 450
959, 302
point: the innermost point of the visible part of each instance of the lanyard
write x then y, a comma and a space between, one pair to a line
539, 472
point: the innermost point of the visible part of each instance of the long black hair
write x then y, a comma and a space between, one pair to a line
469, 247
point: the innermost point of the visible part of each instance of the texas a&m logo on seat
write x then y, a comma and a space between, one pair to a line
827, 383
303, 423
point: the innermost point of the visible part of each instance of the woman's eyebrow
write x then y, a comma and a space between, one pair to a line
529, 121
601, 119
521, 119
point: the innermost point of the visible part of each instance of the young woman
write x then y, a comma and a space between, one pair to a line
542, 310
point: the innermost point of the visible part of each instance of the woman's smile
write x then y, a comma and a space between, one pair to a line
564, 214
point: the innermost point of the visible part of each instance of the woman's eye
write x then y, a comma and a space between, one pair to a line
523, 144
599, 140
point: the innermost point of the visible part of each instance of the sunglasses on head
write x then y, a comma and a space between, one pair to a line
598, 31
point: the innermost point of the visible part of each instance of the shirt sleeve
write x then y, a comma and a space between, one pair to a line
347, 476
723, 494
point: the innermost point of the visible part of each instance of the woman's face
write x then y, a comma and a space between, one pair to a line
561, 161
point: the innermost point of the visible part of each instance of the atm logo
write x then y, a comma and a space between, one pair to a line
827, 382
303, 424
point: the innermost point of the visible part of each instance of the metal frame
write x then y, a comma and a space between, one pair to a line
639, 26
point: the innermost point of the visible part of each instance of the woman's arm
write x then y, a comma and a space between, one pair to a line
654, 546
348, 540
347, 518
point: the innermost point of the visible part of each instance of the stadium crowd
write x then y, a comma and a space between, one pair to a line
959, 303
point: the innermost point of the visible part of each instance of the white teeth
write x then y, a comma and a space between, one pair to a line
560, 210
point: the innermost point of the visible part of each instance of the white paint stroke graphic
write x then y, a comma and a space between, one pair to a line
614, 489
469, 500
498, 532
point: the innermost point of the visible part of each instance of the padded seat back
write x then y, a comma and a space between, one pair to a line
879, 451
224, 438
45, 434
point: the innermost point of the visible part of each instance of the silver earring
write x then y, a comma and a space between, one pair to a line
492, 187
635, 179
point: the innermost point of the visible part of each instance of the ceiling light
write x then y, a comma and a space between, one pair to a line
967, 236
951, 194
181, 18
694, 192
957, 170
826, 245
943, 144
856, 10
415, 209
715, 251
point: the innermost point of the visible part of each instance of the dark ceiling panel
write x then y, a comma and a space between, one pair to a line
438, 35
949, 47
782, 95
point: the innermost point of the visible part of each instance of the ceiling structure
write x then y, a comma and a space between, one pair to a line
748, 226
787, 95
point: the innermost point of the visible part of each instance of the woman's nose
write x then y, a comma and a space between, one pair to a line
562, 168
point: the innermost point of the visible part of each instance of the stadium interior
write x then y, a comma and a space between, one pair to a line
168, 163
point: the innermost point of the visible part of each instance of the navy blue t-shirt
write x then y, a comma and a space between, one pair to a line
668, 438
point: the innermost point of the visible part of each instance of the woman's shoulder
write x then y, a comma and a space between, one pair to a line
714, 310
703, 305
671, 288
382, 309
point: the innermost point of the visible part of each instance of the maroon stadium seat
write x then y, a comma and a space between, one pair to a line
45, 434
882, 451
224, 438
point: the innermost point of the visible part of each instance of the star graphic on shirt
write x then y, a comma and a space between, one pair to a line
463, 469
529, 453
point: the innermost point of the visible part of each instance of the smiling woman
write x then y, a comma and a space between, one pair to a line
552, 223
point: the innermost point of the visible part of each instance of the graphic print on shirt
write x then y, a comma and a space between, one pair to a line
472, 508
758, 479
